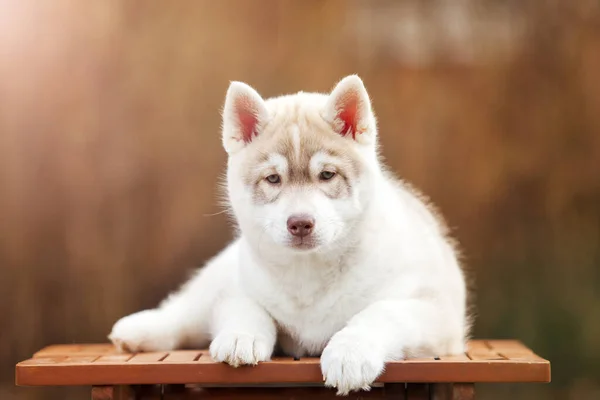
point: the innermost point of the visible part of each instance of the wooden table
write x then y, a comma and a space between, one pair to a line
192, 374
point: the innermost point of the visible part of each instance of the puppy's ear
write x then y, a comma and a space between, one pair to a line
349, 112
244, 115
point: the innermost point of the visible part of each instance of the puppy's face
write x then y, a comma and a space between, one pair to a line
297, 177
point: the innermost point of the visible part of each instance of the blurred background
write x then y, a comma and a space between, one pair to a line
110, 153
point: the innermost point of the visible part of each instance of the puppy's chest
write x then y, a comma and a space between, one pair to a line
311, 313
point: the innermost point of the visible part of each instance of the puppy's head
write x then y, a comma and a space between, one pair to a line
300, 166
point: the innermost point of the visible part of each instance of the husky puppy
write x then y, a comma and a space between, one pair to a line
334, 257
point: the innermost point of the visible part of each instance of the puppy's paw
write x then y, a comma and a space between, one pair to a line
241, 348
143, 331
350, 363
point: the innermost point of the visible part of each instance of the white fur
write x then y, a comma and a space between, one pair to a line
383, 282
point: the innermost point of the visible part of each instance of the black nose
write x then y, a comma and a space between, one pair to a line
300, 225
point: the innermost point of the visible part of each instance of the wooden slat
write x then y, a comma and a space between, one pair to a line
114, 359
79, 359
185, 356
480, 350
43, 361
512, 345
147, 358
102, 366
522, 357
205, 358
513, 350
76, 349
477, 345
456, 358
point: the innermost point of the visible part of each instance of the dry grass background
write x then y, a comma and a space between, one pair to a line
110, 153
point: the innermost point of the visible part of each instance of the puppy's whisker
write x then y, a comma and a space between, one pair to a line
217, 213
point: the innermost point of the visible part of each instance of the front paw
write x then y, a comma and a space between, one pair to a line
241, 348
143, 331
351, 363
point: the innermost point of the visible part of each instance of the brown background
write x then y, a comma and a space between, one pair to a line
110, 153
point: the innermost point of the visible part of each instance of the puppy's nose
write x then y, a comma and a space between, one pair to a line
300, 225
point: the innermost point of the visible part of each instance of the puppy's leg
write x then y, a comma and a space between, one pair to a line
243, 332
174, 324
182, 320
386, 331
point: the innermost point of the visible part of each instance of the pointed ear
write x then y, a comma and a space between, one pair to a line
244, 114
348, 109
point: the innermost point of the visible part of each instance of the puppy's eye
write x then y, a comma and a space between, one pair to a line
274, 179
326, 175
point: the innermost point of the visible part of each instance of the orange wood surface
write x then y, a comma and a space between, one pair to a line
101, 364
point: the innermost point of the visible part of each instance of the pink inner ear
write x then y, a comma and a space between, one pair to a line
348, 113
247, 118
